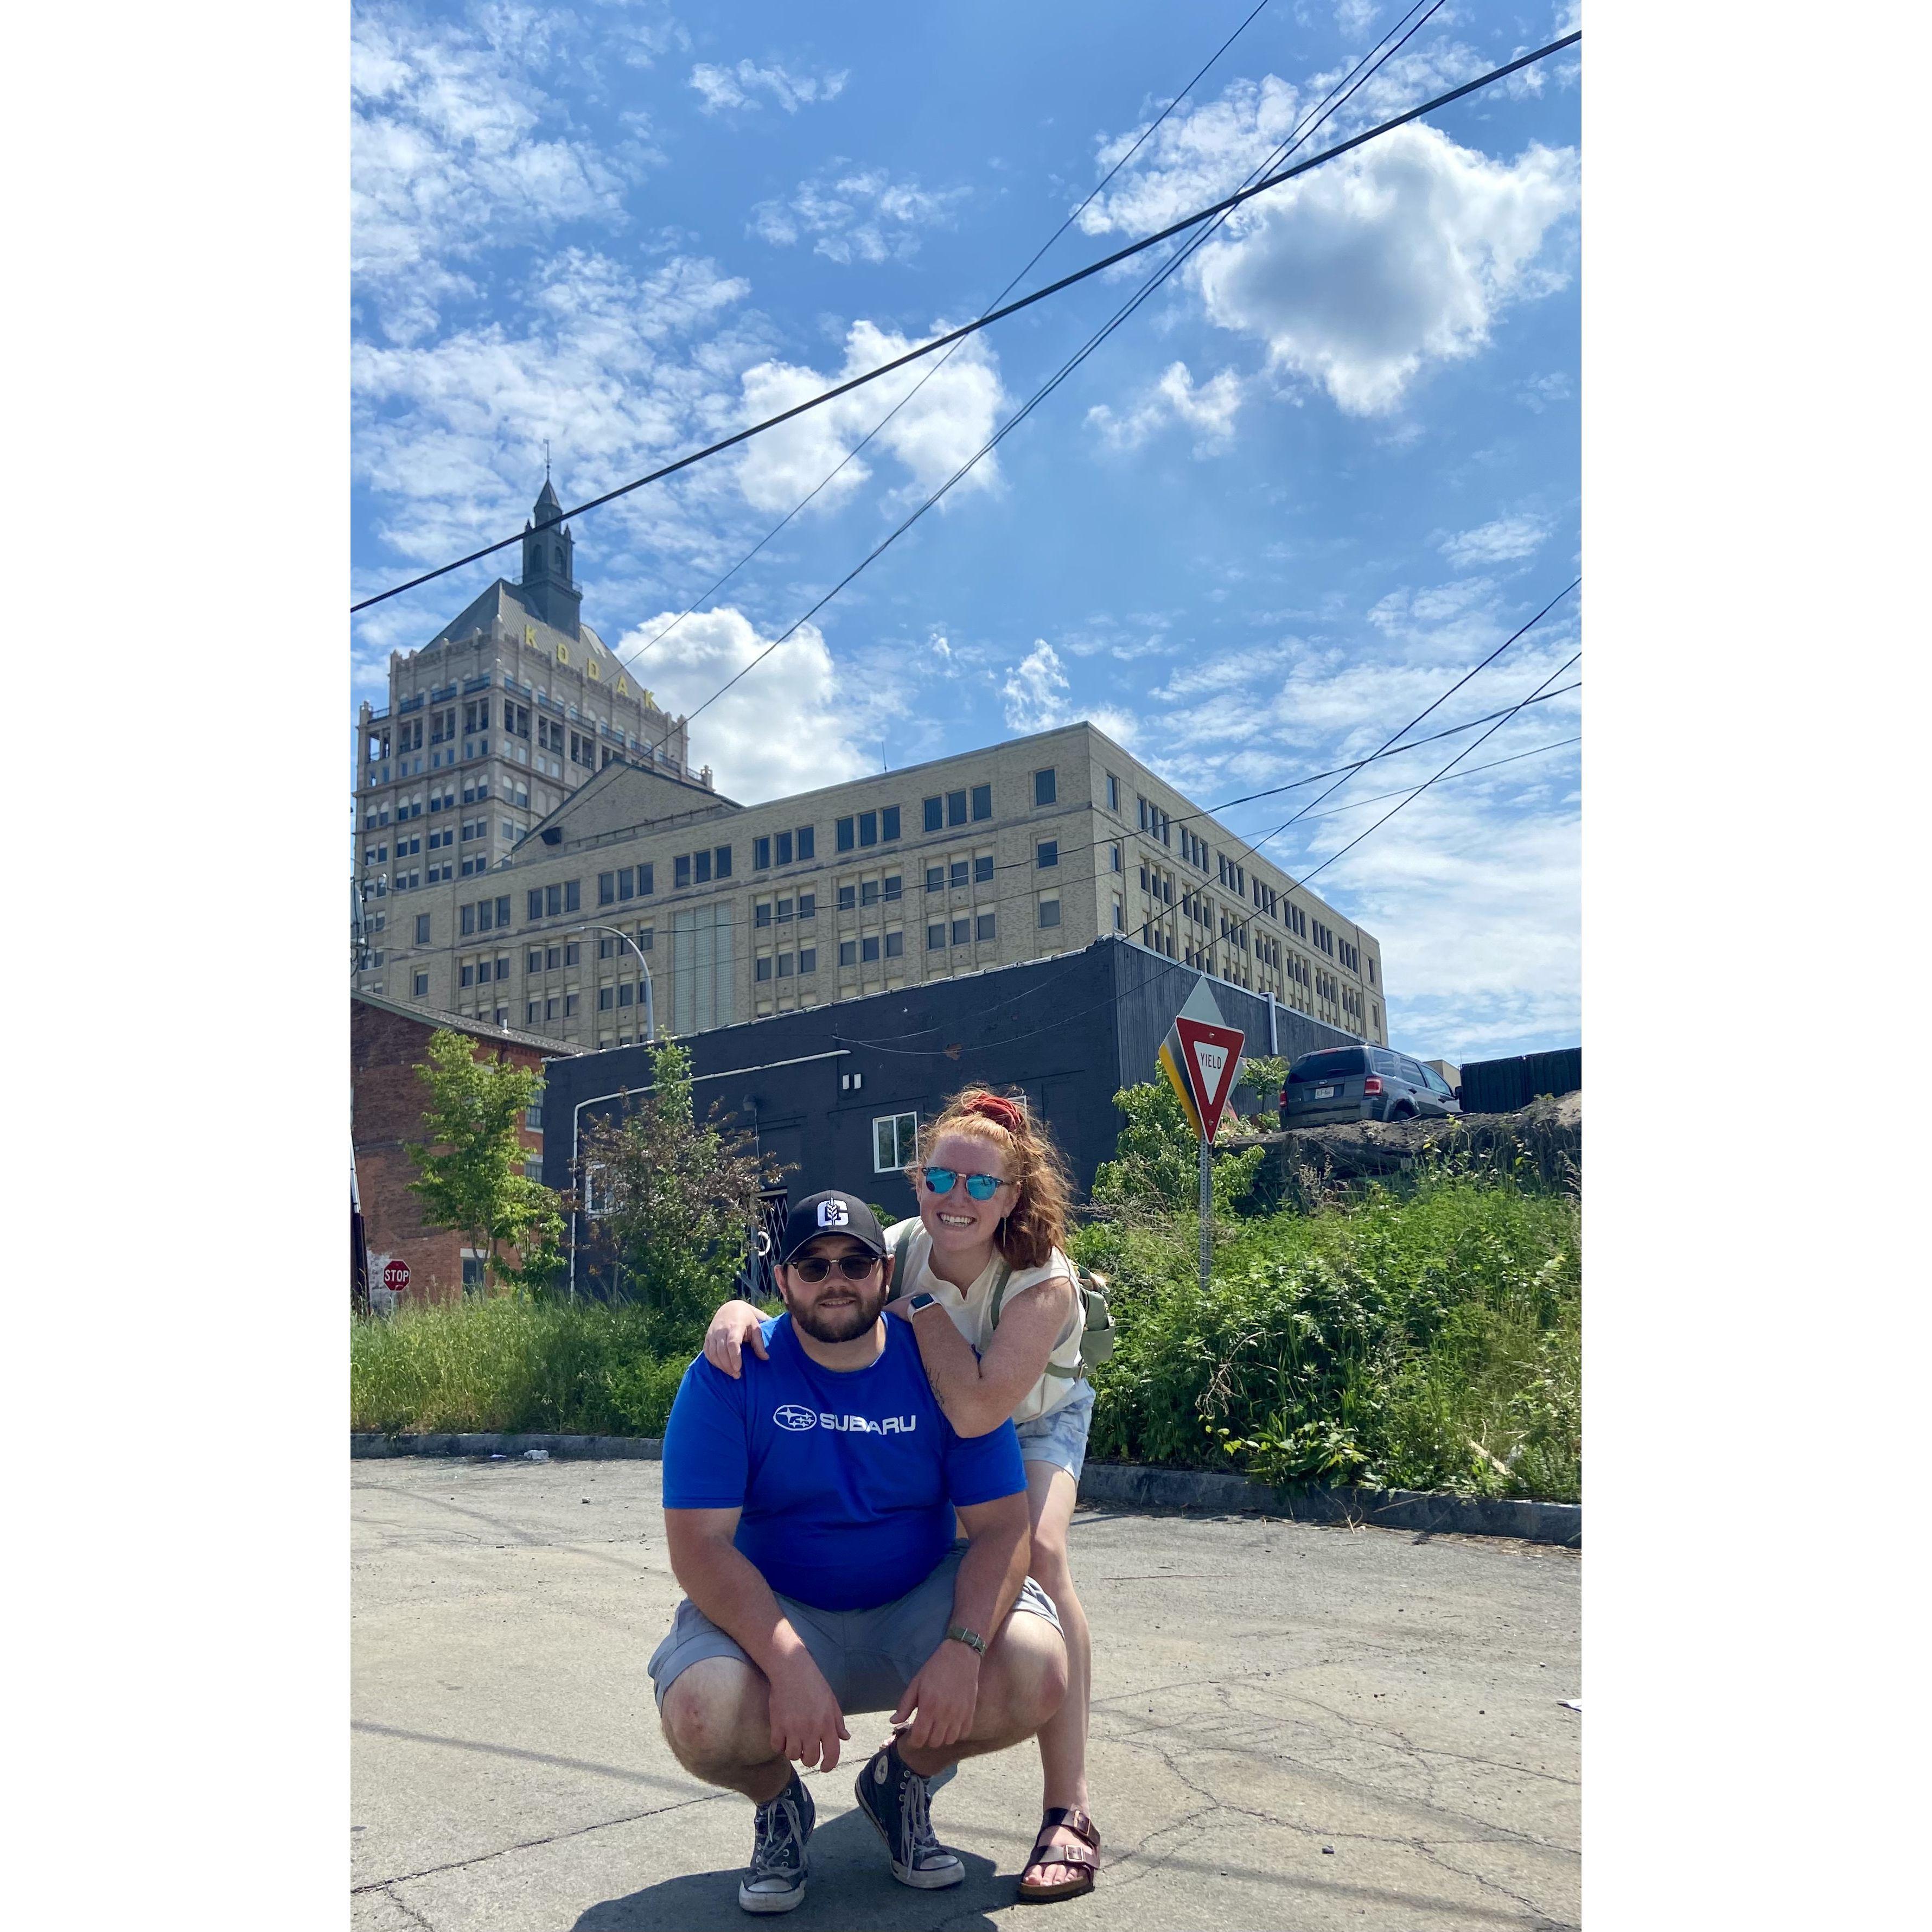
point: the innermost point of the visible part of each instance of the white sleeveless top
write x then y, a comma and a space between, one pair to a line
972, 1312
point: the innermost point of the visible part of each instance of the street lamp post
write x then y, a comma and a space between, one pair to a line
650, 1037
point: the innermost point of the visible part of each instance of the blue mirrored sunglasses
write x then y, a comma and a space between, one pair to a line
981, 1186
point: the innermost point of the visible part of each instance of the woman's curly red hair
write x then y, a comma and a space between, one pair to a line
1037, 1223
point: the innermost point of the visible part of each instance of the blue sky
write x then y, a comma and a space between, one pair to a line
1321, 473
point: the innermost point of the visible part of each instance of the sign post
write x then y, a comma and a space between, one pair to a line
1201, 1056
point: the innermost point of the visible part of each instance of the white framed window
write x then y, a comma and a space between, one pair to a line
596, 1194
895, 1141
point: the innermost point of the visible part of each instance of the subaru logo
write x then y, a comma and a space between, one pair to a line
789, 1415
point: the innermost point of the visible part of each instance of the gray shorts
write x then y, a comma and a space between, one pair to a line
868, 1656
1060, 1435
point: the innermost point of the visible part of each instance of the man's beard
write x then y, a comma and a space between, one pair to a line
840, 1325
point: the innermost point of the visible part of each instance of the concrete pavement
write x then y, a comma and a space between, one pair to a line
1294, 1726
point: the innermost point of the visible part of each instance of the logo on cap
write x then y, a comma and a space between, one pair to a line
789, 1415
834, 1214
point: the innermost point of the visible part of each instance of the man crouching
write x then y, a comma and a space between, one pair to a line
809, 1510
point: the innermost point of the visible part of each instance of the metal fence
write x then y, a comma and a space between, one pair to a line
1502, 1086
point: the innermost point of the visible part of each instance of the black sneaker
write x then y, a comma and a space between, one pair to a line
896, 1799
776, 1882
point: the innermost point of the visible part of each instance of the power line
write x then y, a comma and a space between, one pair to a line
1494, 764
1145, 134
1412, 797
999, 313
1336, 97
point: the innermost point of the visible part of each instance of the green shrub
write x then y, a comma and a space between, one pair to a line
1426, 1341
523, 1367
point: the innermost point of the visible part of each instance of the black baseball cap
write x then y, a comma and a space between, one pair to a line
830, 1213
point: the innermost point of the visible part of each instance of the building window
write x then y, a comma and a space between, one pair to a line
1048, 853
961, 872
1049, 912
1120, 915
935, 937
762, 969
843, 834
848, 952
935, 814
848, 898
785, 965
935, 878
807, 905
868, 828
606, 998
1045, 788
894, 1142
893, 885
681, 872
982, 926
472, 1274
421, 986
700, 867
808, 843
761, 913
761, 855
1113, 792
962, 932
869, 893
955, 807
889, 822
982, 868
982, 801
808, 959
895, 945
868, 948
722, 854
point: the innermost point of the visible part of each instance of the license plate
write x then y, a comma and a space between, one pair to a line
1324, 1092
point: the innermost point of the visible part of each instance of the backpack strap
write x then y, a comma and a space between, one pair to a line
1002, 1281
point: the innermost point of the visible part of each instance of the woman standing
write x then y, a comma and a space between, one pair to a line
988, 1249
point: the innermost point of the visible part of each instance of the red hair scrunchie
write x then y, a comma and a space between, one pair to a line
1001, 1112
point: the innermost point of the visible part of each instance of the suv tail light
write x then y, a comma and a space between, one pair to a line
1283, 1101
1372, 1084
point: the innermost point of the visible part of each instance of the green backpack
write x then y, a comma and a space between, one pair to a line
1097, 1337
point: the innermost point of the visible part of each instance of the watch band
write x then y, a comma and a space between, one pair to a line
971, 1638
921, 1302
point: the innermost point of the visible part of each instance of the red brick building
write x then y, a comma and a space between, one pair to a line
388, 1041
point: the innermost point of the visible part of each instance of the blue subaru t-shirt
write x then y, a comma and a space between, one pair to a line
847, 1482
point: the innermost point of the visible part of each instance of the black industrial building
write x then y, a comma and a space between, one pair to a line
815, 1087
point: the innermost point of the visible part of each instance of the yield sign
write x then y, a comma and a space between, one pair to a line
1209, 1056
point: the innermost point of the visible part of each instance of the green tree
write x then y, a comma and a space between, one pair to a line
676, 1199
471, 1166
1155, 1168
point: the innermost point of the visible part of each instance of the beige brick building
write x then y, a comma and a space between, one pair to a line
1027, 849
496, 721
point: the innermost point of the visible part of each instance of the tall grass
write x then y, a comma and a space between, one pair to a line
551, 1368
1425, 1340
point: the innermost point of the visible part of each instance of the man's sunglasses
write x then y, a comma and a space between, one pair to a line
815, 1268
981, 1186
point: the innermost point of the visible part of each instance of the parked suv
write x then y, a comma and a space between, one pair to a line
1362, 1083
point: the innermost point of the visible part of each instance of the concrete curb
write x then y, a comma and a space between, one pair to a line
586, 1448
1124, 1485
1134, 1485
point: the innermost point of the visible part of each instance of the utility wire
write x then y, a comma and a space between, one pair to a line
999, 313
1145, 134
1412, 797
1336, 98
1494, 764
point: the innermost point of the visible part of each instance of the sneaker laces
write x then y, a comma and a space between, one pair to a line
777, 1833
915, 1800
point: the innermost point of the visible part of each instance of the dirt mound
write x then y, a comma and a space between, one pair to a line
1542, 1142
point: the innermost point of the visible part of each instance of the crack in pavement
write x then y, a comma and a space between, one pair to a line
532, 1844
402, 1906
516, 1751
1545, 1923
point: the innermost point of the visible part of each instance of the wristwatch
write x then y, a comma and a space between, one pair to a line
971, 1638
921, 1302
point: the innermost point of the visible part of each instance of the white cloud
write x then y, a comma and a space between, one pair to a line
1402, 253
1038, 696
1355, 17
449, 435
739, 87
450, 154
858, 214
1208, 410
786, 726
936, 431
1502, 541
1540, 392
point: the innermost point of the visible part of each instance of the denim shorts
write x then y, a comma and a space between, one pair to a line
868, 1656
1060, 1435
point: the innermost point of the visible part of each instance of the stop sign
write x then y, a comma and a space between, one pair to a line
396, 1276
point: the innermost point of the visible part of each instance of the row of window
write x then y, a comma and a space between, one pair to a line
785, 965
780, 912
627, 882
867, 828
783, 848
700, 867
955, 873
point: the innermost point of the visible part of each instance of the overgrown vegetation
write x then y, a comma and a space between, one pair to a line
516, 1363
1419, 1331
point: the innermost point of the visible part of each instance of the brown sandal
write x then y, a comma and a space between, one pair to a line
1084, 1858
